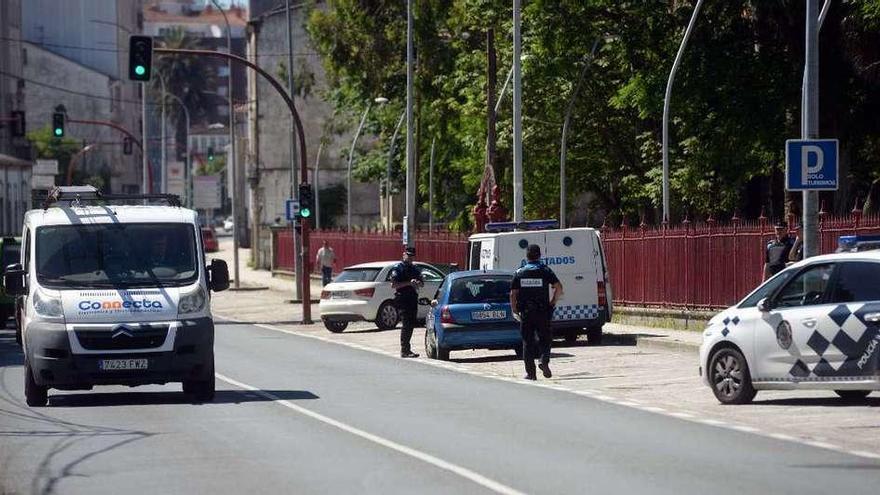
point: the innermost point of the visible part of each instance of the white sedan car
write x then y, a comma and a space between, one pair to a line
815, 325
363, 293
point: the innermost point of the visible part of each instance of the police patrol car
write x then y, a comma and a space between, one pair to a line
114, 295
575, 255
815, 325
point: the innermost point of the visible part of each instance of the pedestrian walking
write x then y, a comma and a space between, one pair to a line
533, 306
778, 250
406, 280
325, 260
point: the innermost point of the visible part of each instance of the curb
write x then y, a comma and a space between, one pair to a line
666, 343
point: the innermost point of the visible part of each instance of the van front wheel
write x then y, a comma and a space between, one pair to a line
34, 395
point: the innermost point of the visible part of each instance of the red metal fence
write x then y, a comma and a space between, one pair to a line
703, 265
692, 265
361, 247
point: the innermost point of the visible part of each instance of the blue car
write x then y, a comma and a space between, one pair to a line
471, 310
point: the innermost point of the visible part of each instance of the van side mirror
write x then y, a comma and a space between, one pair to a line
764, 305
13, 280
219, 275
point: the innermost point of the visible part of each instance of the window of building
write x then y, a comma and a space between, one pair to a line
223, 71
223, 110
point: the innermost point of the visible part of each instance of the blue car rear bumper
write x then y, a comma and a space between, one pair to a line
481, 339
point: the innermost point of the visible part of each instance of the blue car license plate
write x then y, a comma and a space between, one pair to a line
489, 315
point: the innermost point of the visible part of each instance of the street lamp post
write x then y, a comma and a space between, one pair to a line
379, 100
562, 147
391, 149
236, 225
188, 174
675, 64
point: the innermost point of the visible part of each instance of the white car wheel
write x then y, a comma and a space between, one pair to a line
387, 316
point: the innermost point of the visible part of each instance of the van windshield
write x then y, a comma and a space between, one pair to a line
116, 255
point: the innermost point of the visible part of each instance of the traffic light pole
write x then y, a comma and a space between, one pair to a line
304, 177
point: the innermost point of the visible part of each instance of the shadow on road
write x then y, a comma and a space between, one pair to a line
105, 399
831, 401
506, 357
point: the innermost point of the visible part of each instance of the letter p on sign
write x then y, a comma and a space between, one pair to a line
811, 164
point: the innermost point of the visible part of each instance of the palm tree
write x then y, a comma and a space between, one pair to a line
187, 77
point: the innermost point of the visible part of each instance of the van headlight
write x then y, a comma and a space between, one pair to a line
192, 302
47, 306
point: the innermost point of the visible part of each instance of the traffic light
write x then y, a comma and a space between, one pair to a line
126, 146
306, 200
58, 124
210, 153
140, 57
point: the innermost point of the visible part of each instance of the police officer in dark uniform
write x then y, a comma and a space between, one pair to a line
533, 306
778, 251
406, 279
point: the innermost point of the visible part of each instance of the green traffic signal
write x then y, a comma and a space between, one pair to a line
58, 132
58, 124
305, 212
140, 70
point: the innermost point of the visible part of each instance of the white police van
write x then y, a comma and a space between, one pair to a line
114, 294
815, 325
575, 255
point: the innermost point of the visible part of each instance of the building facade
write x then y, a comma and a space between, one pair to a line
270, 125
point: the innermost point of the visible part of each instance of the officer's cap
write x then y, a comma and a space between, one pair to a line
411, 251
781, 225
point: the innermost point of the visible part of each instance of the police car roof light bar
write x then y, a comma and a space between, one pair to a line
80, 194
527, 225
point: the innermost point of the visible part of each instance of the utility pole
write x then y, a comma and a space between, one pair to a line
517, 116
410, 145
491, 81
297, 265
811, 123
231, 158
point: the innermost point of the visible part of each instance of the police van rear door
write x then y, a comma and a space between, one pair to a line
569, 253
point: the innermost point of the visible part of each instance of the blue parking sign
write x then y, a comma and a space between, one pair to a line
291, 209
811, 165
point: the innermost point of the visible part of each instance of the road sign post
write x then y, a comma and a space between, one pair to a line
811, 165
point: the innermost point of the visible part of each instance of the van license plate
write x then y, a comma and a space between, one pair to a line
122, 364
489, 315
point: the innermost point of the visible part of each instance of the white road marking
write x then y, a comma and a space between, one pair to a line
475, 477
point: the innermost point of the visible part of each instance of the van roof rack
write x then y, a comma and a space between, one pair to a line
81, 194
527, 225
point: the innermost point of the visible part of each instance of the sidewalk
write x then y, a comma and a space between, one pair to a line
256, 279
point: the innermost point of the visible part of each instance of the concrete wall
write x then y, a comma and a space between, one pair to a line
11, 85
54, 72
15, 194
271, 123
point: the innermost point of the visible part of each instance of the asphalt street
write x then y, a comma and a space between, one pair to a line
298, 415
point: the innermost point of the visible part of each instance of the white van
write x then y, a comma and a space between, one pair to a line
575, 255
114, 295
